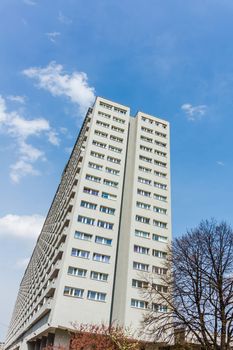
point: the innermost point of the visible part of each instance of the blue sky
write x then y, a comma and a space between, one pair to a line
171, 59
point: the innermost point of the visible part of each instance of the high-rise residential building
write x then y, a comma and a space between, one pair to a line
109, 223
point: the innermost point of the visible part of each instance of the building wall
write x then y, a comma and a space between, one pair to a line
83, 264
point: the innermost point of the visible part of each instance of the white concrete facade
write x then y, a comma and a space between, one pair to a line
110, 218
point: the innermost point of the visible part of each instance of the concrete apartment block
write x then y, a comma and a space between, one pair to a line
109, 223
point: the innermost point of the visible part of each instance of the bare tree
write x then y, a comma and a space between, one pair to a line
198, 290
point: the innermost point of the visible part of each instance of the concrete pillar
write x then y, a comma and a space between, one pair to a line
37, 344
50, 339
62, 339
31, 345
43, 343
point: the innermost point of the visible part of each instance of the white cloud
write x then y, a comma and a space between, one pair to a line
74, 86
53, 138
22, 168
64, 19
53, 36
30, 2
194, 113
24, 226
219, 162
22, 263
19, 99
20, 128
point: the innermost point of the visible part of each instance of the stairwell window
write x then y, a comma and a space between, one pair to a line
82, 235
141, 250
139, 304
86, 220
97, 296
99, 276
75, 271
103, 240
101, 258
142, 219
90, 191
159, 254
140, 266
73, 292
79, 253
105, 224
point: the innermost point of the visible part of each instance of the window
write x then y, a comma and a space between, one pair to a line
143, 193
140, 249
147, 120
159, 308
97, 155
101, 257
88, 205
158, 173
110, 183
119, 110
161, 144
105, 125
114, 160
107, 210
103, 240
160, 288
109, 196
80, 253
159, 185
159, 197
105, 105
160, 224
73, 292
157, 162
86, 220
99, 144
99, 276
149, 131
101, 134
116, 139
139, 304
144, 181
105, 224
146, 139
139, 284
115, 149
146, 170
112, 171
90, 191
142, 219
142, 234
104, 115
159, 238
159, 254
115, 128
119, 120
140, 266
95, 166
97, 296
159, 270
161, 154
93, 178
82, 235
145, 159
160, 210
160, 134
144, 148
143, 205
75, 271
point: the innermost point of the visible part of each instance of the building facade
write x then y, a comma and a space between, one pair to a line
109, 223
